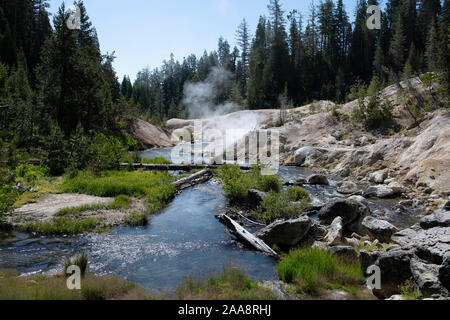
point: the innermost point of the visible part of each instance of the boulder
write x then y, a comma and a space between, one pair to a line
378, 177
335, 234
360, 199
431, 245
347, 187
318, 179
368, 259
426, 278
439, 218
351, 212
395, 271
346, 252
255, 197
444, 272
285, 232
379, 229
381, 191
298, 182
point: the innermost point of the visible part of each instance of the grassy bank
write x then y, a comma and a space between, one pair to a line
93, 287
231, 284
314, 271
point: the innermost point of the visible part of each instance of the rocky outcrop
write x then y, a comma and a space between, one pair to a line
426, 278
335, 234
151, 136
351, 212
379, 229
444, 272
440, 218
285, 233
347, 187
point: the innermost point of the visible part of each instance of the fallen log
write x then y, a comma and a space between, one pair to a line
176, 167
197, 178
245, 236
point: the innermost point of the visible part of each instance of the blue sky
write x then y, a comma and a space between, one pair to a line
145, 32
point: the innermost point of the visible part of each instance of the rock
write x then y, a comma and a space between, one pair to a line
352, 242
318, 179
335, 234
255, 197
447, 206
426, 278
317, 231
395, 271
347, 187
431, 245
396, 297
381, 191
368, 259
378, 177
444, 272
285, 233
344, 252
278, 288
360, 199
304, 155
379, 229
352, 213
439, 218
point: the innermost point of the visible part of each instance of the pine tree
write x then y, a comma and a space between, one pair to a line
243, 40
397, 48
432, 48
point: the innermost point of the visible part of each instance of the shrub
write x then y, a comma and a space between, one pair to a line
287, 204
313, 270
8, 192
236, 183
157, 160
30, 173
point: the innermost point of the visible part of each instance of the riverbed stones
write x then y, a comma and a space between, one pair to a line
318, 179
426, 278
346, 252
381, 191
378, 177
440, 218
285, 232
379, 229
335, 234
347, 187
395, 271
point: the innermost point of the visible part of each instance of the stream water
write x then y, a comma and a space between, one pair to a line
184, 240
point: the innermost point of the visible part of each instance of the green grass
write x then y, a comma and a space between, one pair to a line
157, 160
93, 287
289, 204
409, 292
121, 202
62, 225
314, 270
237, 183
81, 260
155, 187
232, 284
136, 219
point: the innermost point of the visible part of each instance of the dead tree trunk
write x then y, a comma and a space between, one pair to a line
197, 178
245, 236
